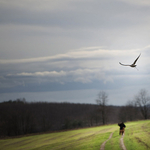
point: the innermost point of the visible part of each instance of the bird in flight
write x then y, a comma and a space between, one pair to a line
132, 65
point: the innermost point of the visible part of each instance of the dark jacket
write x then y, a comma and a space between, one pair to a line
122, 125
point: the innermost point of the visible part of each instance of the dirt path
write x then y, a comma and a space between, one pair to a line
103, 145
122, 143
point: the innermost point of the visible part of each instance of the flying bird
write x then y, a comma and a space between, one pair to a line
132, 65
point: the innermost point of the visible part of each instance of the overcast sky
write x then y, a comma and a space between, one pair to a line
68, 51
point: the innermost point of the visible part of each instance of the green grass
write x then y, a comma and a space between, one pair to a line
113, 143
137, 137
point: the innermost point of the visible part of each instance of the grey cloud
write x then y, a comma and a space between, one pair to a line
33, 32
80, 75
93, 59
144, 3
78, 14
84, 66
82, 54
40, 45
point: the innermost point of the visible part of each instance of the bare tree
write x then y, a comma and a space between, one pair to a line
102, 102
143, 101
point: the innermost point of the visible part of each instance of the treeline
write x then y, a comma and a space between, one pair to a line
19, 117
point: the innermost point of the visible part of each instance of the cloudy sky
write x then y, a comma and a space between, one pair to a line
68, 51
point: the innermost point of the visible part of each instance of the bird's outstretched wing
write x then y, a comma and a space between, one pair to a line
136, 59
123, 64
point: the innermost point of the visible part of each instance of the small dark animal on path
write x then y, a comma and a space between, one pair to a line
122, 128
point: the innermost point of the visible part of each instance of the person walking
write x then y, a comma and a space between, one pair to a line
122, 128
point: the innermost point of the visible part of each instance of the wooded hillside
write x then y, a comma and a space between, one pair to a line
19, 117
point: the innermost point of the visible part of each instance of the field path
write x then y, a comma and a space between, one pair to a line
122, 143
103, 145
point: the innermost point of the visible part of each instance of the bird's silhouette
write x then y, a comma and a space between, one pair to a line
132, 65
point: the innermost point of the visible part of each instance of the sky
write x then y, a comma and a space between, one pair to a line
69, 51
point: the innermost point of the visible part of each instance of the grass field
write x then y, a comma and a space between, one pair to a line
137, 136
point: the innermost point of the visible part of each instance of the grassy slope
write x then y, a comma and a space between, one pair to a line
136, 137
